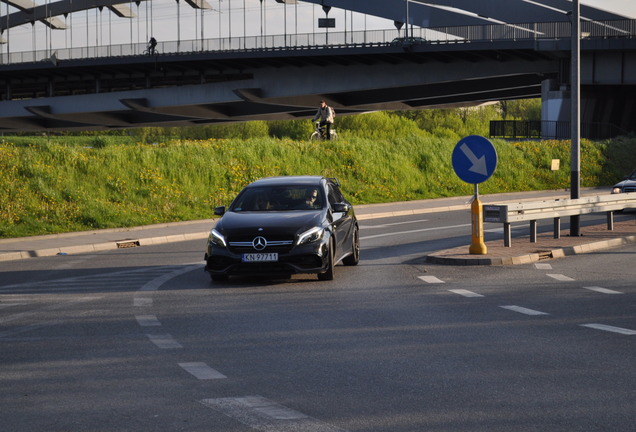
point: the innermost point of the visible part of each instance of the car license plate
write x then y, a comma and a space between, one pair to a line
260, 257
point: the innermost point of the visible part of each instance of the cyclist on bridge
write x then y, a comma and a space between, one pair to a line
151, 45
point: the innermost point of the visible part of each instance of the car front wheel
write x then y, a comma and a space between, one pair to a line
354, 257
328, 274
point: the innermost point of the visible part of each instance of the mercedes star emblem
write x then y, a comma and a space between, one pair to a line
259, 243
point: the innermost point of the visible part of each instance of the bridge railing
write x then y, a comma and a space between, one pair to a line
544, 129
459, 34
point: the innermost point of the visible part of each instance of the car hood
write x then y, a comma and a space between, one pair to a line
625, 183
285, 223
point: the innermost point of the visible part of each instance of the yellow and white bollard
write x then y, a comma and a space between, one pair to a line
477, 246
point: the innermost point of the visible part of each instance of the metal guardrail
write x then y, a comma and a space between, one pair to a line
434, 35
555, 209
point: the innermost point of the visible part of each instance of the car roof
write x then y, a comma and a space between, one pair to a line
288, 180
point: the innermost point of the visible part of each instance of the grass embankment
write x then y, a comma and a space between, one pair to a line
62, 185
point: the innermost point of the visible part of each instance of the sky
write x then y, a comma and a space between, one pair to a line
624, 7
168, 20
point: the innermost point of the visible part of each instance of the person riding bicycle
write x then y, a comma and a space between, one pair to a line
326, 115
152, 43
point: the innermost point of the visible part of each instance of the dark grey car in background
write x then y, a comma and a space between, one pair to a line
279, 226
627, 185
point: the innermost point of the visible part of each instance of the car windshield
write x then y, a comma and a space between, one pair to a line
278, 198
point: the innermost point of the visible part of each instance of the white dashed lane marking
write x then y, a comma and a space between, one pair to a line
147, 320
543, 266
523, 310
431, 279
560, 277
465, 293
142, 302
602, 290
201, 371
164, 341
265, 415
612, 329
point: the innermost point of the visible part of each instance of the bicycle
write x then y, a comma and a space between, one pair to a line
151, 51
320, 133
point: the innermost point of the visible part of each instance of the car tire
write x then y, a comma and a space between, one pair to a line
354, 258
328, 274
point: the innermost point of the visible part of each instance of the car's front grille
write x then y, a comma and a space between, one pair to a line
629, 189
279, 246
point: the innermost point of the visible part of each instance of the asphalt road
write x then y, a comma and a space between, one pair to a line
141, 340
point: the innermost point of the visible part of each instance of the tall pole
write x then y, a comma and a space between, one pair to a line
575, 90
132, 45
71, 37
407, 19
9, 38
244, 24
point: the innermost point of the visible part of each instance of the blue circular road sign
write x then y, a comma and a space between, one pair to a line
474, 159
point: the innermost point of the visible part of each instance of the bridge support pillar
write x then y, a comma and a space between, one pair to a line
555, 109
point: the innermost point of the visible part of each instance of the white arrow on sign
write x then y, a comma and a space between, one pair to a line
479, 164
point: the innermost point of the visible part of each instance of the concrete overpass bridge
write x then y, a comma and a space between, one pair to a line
451, 53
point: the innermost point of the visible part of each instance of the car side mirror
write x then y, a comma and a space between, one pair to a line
219, 211
340, 207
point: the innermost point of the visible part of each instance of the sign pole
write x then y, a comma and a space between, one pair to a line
477, 245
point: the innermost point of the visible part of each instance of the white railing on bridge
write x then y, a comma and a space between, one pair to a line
463, 34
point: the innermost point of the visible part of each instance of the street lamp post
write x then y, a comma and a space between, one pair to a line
407, 20
575, 108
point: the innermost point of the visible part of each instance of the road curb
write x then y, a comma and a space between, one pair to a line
100, 247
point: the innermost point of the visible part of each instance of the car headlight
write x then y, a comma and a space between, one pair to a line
216, 238
616, 190
311, 235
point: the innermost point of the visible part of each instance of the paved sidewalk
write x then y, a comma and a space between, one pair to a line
521, 250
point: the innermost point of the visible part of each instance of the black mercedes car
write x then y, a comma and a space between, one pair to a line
279, 226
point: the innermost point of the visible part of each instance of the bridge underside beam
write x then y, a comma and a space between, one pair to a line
181, 90
172, 95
